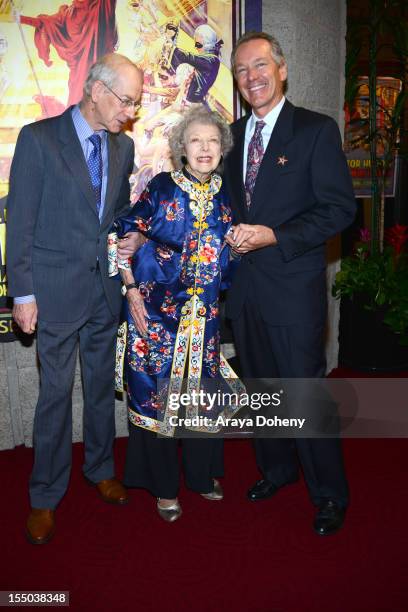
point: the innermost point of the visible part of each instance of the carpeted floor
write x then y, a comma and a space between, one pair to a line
221, 556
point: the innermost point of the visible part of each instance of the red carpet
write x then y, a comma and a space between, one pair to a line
223, 556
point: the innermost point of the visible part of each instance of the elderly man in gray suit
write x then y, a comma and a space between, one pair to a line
68, 181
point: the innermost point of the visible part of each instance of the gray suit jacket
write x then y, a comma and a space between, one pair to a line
54, 237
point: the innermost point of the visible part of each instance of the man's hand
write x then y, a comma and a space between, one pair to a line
129, 244
245, 237
25, 315
137, 310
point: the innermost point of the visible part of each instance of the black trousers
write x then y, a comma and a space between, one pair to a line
152, 463
293, 351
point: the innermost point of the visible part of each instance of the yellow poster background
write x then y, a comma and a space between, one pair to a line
31, 90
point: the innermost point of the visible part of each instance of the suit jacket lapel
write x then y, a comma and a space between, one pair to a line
270, 168
73, 155
113, 174
236, 164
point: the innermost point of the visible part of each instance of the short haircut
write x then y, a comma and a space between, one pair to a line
105, 70
276, 49
201, 115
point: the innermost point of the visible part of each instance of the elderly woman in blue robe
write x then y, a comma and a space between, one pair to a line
172, 289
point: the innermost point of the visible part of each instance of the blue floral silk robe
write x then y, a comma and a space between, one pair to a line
180, 271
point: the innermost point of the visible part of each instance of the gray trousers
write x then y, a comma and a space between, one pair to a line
57, 345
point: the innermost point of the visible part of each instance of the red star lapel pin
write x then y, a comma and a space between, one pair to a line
282, 160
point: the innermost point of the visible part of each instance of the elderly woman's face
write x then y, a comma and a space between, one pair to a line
202, 144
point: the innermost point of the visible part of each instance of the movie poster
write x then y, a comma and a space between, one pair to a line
356, 143
6, 324
183, 47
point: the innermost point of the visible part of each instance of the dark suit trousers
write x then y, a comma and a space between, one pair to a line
293, 351
57, 345
152, 463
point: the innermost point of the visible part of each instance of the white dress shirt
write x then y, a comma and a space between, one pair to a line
270, 120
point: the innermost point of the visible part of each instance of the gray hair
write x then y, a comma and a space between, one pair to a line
276, 49
105, 70
209, 36
201, 115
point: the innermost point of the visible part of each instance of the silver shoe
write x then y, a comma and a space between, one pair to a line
171, 513
216, 494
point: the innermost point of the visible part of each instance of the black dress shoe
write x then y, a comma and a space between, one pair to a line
263, 489
329, 518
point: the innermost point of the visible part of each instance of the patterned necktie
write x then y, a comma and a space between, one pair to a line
95, 168
255, 155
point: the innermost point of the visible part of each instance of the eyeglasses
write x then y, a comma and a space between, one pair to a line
125, 102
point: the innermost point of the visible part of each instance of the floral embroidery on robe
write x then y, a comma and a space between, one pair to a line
180, 271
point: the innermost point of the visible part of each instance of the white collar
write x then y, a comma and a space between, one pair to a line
271, 117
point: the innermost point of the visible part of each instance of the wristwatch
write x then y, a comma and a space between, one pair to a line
125, 288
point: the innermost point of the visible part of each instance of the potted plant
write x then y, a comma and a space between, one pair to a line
374, 288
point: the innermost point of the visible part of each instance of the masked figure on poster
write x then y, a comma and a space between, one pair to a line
205, 63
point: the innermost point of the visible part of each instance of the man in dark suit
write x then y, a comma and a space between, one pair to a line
68, 181
291, 191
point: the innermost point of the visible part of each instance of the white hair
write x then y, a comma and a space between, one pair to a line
208, 35
105, 69
201, 115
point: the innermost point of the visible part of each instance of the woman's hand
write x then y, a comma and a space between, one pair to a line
129, 244
137, 310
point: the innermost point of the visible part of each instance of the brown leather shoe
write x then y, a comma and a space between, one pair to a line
112, 491
40, 525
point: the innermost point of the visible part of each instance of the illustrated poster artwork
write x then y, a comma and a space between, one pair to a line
356, 139
47, 47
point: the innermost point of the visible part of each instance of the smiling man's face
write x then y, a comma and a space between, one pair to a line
260, 80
